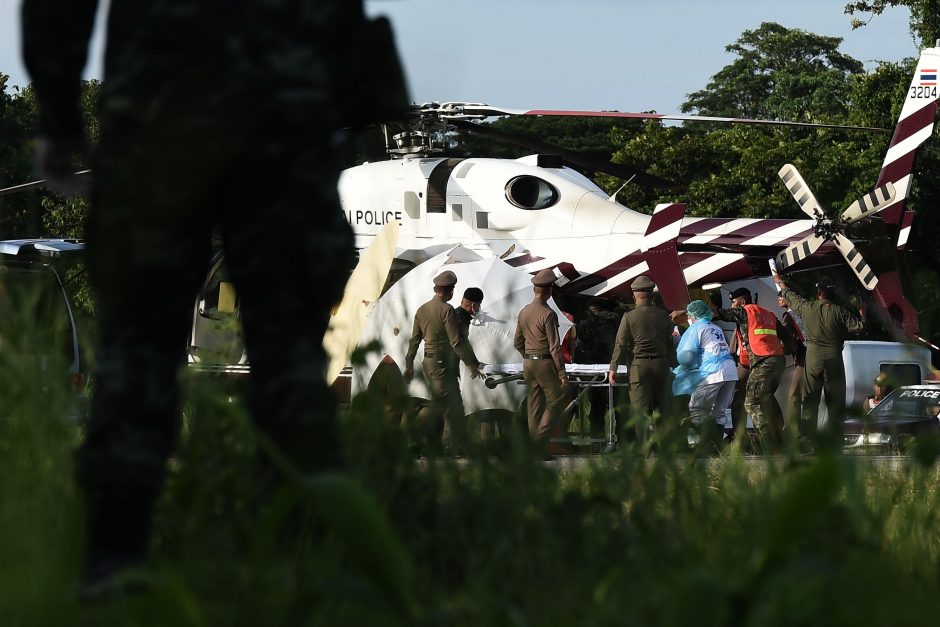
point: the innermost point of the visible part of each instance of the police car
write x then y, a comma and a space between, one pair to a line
908, 412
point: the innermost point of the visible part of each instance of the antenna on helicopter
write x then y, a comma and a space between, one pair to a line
613, 197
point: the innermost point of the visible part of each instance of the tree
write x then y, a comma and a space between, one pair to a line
925, 16
38, 212
732, 170
18, 212
780, 73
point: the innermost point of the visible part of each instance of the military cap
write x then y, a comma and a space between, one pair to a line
881, 380
473, 294
642, 284
445, 279
544, 277
600, 303
826, 287
741, 291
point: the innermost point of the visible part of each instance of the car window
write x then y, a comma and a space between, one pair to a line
908, 403
34, 315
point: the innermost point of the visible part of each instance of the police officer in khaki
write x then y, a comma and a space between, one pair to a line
544, 371
436, 324
644, 343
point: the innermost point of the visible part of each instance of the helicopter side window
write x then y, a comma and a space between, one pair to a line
412, 205
531, 192
437, 184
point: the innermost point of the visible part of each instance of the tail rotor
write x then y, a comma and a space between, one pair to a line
832, 229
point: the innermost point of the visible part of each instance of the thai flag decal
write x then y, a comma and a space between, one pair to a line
928, 77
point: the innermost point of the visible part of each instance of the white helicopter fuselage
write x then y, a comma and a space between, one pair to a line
474, 207
538, 216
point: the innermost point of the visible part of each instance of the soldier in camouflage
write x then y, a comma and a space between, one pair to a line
596, 335
764, 338
213, 114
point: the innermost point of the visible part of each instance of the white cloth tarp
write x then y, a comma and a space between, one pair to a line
506, 290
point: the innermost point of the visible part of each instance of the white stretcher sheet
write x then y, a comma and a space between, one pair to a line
576, 369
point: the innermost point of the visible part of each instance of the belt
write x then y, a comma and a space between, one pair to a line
646, 357
541, 356
438, 355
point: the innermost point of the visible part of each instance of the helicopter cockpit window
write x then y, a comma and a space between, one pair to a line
531, 192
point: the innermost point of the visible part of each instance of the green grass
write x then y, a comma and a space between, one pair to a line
497, 539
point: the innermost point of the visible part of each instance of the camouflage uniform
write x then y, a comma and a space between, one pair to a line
596, 335
764, 376
213, 114
827, 326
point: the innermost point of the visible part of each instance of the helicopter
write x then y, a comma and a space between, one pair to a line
539, 213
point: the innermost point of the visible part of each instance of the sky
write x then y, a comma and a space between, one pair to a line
630, 55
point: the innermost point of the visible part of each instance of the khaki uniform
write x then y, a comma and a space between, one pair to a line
827, 326
537, 341
644, 342
795, 395
436, 325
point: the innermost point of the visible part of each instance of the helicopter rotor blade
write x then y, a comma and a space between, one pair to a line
34, 184
619, 170
801, 192
798, 251
477, 110
870, 203
855, 260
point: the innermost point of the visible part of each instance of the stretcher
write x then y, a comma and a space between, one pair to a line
583, 376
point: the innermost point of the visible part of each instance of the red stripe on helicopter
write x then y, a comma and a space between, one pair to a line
597, 114
607, 272
699, 227
665, 217
749, 230
894, 172
914, 123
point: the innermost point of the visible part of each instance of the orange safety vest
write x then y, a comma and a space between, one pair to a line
762, 331
743, 358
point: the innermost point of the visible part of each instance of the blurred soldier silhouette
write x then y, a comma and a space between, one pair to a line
214, 114
596, 335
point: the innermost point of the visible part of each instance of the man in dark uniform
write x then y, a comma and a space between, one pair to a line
538, 342
794, 325
596, 335
827, 326
436, 325
469, 307
212, 114
644, 342
763, 337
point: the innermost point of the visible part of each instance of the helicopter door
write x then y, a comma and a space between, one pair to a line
437, 209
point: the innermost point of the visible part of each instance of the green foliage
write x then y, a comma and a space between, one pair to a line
593, 136
925, 16
498, 539
779, 73
38, 213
